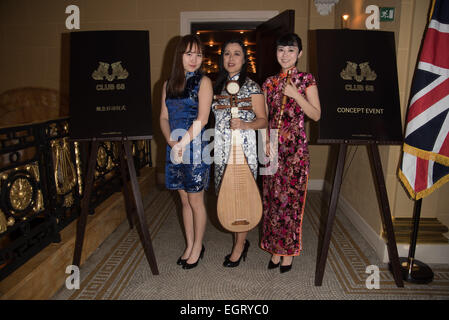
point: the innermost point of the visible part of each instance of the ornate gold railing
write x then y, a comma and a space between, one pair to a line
41, 183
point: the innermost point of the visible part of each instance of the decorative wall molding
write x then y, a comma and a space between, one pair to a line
324, 7
187, 17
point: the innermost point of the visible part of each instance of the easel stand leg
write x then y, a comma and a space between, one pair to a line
85, 201
321, 263
415, 271
386, 215
130, 209
144, 234
130, 197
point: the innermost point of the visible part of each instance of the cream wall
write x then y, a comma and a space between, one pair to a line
30, 55
30, 38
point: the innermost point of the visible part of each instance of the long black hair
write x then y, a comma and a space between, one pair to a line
176, 82
223, 74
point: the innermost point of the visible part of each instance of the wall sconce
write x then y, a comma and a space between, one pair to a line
344, 21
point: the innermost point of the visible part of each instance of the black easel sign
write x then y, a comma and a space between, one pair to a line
357, 82
358, 85
110, 101
110, 84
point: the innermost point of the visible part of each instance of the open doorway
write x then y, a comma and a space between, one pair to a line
214, 34
259, 29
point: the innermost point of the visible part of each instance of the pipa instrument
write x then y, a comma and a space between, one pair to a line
239, 204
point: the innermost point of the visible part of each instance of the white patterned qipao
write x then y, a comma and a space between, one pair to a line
223, 132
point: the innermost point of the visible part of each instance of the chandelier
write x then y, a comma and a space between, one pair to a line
324, 7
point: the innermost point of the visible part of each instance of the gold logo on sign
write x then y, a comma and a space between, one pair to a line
102, 71
351, 72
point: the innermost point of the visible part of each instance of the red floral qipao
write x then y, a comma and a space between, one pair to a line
284, 192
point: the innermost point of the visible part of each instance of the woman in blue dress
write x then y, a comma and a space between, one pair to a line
186, 101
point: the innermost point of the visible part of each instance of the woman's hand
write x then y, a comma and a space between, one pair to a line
177, 152
291, 90
310, 104
267, 148
172, 143
239, 124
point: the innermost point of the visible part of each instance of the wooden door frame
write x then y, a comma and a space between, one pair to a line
189, 17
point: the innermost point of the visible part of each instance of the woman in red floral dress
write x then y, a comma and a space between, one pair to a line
284, 192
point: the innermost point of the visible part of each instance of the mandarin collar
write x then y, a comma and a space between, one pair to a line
283, 75
234, 77
191, 74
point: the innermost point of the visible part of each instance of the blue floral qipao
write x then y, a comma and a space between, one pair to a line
192, 175
223, 132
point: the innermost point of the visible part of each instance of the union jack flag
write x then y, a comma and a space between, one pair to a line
425, 162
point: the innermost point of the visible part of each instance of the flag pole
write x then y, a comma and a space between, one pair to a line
413, 270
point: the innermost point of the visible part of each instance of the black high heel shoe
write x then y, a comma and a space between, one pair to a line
287, 268
272, 265
193, 265
231, 264
181, 262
